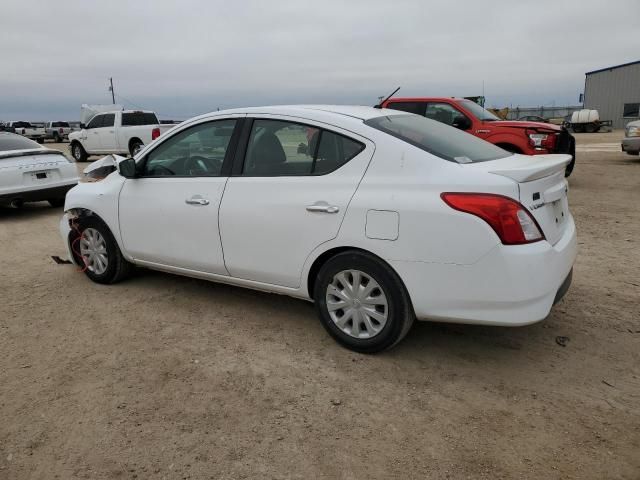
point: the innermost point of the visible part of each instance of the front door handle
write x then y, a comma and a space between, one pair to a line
323, 207
197, 200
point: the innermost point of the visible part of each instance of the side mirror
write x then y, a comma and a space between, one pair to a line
461, 122
127, 168
82, 126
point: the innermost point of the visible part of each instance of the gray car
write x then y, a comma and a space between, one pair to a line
631, 140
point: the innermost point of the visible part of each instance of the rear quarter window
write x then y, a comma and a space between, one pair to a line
439, 139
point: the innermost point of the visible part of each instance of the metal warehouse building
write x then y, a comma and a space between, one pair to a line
614, 92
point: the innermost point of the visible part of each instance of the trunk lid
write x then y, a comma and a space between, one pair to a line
542, 188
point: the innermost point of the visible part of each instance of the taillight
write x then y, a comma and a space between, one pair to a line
155, 133
511, 221
541, 140
60, 130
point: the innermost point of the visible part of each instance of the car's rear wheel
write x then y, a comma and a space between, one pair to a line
362, 303
78, 152
98, 252
57, 138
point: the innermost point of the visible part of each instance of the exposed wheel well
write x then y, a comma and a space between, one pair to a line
134, 140
509, 147
323, 258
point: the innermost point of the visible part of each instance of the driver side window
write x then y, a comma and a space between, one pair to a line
95, 122
198, 151
443, 112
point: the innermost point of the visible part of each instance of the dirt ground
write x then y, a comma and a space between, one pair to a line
166, 377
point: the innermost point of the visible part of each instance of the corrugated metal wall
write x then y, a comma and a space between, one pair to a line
609, 90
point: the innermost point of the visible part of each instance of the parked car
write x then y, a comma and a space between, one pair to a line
57, 131
631, 140
26, 129
119, 132
528, 138
533, 118
381, 217
32, 173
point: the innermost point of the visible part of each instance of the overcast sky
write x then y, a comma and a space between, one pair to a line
182, 58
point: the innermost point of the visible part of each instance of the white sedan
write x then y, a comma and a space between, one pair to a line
378, 216
31, 173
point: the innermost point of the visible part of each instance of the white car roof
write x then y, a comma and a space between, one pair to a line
333, 114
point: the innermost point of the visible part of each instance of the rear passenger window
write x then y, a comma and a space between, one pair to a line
410, 107
279, 148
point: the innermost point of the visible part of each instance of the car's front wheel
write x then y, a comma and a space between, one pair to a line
78, 152
98, 253
362, 302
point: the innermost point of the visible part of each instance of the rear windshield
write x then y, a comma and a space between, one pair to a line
139, 118
60, 124
437, 138
16, 142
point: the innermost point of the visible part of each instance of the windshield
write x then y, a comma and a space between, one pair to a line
479, 112
438, 139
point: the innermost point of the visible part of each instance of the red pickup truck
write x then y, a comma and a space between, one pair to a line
528, 138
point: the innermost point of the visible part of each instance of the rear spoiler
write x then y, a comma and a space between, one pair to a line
29, 153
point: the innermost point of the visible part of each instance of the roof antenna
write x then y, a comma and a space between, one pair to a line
382, 101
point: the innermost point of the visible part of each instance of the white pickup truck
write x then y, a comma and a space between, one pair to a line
26, 129
122, 132
57, 131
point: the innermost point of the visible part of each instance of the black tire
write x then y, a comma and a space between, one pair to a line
40, 140
591, 128
56, 202
117, 267
577, 128
135, 147
56, 138
78, 152
399, 311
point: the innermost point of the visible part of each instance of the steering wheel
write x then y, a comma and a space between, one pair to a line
199, 164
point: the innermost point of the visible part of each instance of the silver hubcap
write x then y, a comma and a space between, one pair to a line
93, 249
357, 304
76, 152
137, 148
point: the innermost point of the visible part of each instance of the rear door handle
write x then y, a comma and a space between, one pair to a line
196, 200
323, 207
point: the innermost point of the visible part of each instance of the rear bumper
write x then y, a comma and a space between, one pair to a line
631, 145
37, 194
510, 286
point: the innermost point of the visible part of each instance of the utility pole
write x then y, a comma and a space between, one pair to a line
113, 94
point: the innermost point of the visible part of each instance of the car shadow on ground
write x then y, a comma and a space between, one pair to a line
425, 340
29, 211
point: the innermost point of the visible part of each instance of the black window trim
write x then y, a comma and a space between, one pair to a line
241, 153
229, 155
